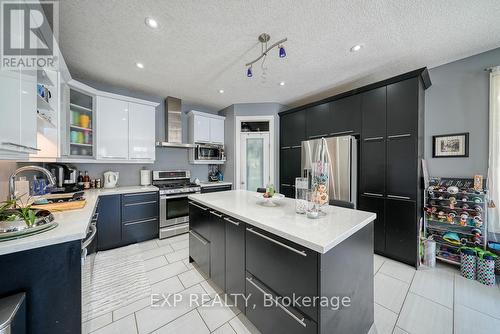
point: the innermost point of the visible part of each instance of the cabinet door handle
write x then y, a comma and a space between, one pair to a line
373, 194
319, 136
140, 221
373, 138
140, 203
398, 197
216, 214
198, 206
297, 146
300, 321
286, 147
232, 221
200, 239
286, 185
341, 133
140, 194
20, 146
399, 136
277, 242
95, 217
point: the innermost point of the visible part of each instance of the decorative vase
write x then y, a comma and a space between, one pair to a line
320, 173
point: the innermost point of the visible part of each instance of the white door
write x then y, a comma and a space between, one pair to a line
141, 131
217, 130
254, 160
112, 128
201, 129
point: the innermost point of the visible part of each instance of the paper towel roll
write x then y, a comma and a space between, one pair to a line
145, 177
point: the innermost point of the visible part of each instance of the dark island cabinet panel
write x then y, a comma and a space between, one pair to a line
401, 230
373, 163
373, 111
276, 319
235, 259
199, 251
318, 121
376, 205
345, 116
218, 249
402, 168
199, 219
109, 225
402, 108
290, 165
285, 267
293, 129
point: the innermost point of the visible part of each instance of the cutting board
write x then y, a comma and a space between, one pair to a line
62, 206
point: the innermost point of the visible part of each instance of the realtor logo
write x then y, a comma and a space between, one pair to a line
28, 34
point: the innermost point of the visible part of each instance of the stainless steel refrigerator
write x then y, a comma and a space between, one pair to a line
342, 153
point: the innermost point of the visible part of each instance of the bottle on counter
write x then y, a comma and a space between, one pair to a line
80, 178
86, 181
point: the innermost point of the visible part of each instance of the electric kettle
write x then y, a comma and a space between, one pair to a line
110, 179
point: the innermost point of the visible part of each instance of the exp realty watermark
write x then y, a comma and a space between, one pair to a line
234, 300
29, 34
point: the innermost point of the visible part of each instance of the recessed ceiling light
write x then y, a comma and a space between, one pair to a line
152, 23
139, 65
221, 91
282, 83
356, 47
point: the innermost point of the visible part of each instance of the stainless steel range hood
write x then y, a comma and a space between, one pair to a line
173, 125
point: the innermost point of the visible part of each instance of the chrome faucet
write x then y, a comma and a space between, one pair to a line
48, 174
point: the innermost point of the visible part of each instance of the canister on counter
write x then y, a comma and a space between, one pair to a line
98, 183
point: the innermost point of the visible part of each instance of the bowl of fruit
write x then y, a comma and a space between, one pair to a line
269, 198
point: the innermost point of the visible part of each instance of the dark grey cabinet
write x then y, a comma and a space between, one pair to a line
218, 249
293, 129
235, 259
373, 113
317, 121
289, 169
402, 107
377, 205
290, 270
345, 116
214, 189
199, 219
373, 166
199, 251
402, 176
402, 230
109, 225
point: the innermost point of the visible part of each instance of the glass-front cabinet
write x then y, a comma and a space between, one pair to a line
80, 119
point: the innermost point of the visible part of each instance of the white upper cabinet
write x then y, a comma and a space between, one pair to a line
112, 128
28, 106
217, 131
205, 128
141, 139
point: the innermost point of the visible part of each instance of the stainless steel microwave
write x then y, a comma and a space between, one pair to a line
209, 152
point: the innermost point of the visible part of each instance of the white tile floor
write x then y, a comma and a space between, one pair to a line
406, 301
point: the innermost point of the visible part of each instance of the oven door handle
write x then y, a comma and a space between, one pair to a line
89, 240
177, 196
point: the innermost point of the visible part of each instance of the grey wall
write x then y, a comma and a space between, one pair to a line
249, 109
166, 158
458, 101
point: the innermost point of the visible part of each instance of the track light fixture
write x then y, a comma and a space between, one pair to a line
264, 39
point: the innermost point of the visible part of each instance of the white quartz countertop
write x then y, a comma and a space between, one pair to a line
72, 224
320, 234
215, 184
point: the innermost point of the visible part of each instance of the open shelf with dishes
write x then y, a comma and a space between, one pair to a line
81, 124
455, 216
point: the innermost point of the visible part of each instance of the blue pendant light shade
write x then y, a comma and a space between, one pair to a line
282, 52
249, 72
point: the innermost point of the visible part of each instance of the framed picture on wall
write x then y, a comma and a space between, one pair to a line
454, 145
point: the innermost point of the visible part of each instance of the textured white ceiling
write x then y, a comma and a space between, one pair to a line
202, 46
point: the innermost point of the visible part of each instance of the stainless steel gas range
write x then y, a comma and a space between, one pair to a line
175, 187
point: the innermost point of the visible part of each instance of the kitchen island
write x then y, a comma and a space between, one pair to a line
298, 275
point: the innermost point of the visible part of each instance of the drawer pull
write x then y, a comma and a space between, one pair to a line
216, 214
300, 321
341, 133
373, 194
232, 221
277, 242
398, 197
139, 194
141, 221
200, 239
399, 136
319, 136
198, 206
140, 203
95, 217
373, 138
